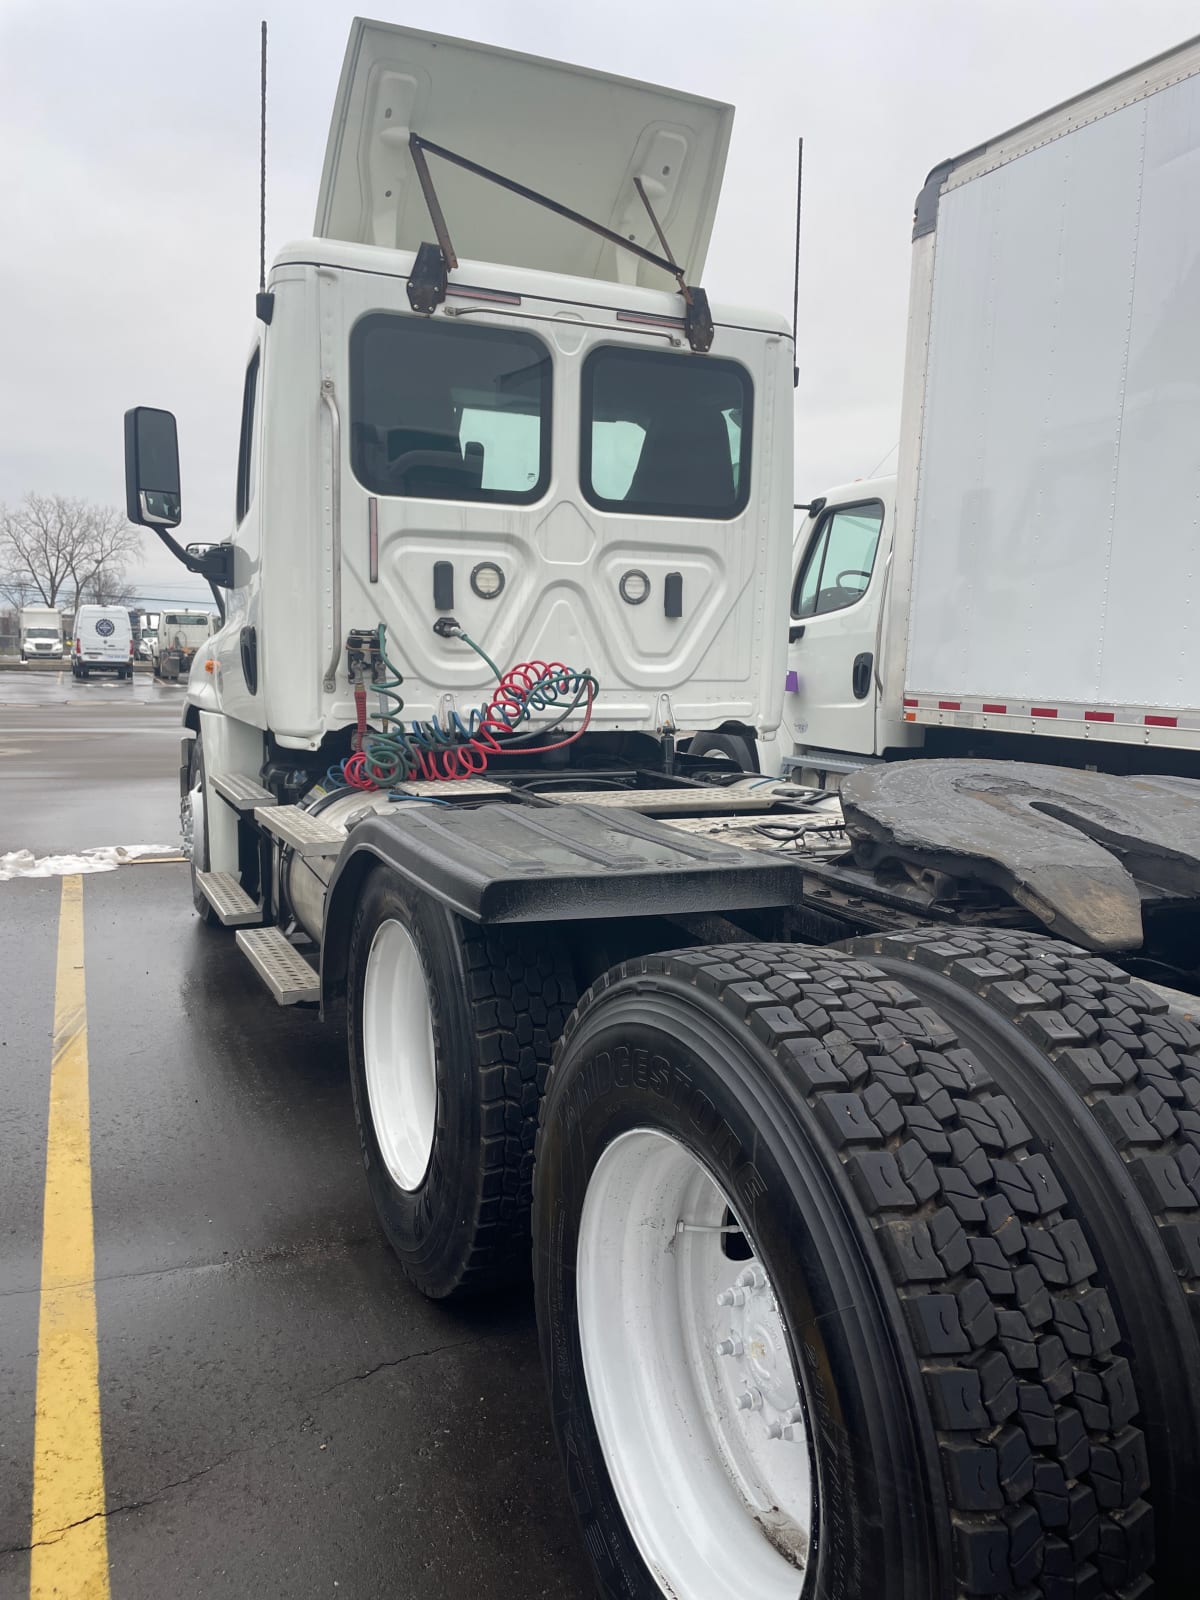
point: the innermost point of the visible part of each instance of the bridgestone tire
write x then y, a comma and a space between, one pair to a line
500, 998
199, 861
965, 1374
1100, 1066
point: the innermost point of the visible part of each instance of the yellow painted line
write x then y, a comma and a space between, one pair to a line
69, 1558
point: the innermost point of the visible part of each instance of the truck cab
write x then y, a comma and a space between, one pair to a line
532, 449
834, 715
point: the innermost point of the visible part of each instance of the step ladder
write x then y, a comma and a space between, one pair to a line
234, 907
286, 973
305, 834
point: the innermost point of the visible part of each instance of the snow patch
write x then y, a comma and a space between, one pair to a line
104, 858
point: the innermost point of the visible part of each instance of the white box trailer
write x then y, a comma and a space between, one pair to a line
1036, 573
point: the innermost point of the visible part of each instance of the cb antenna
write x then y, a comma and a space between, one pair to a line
795, 261
264, 303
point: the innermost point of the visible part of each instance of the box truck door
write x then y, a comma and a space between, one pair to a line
836, 594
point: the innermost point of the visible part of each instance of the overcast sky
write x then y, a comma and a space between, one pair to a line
129, 132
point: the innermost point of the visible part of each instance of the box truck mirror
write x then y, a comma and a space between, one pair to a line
152, 468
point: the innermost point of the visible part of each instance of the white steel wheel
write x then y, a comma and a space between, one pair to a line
691, 1384
399, 1055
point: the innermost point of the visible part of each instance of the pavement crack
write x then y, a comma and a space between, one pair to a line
56, 1534
398, 1361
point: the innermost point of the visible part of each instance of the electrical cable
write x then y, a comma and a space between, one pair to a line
456, 749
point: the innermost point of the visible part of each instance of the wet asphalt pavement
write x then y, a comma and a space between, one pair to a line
281, 1415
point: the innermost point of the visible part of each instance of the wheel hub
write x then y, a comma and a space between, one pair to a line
690, 1379
757, 1355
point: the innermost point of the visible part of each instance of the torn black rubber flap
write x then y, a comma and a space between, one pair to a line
1069, 846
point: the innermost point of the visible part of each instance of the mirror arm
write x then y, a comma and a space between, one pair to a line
192, 563
220, 600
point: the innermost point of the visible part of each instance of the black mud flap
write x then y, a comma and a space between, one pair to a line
1070, 846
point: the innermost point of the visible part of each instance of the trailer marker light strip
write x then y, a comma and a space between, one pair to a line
927, 709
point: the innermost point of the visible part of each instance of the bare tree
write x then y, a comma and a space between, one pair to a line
52, 547
107, 587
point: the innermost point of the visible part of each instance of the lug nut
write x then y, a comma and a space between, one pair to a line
730, 1347
732, 1297
751, 1278
749, 1400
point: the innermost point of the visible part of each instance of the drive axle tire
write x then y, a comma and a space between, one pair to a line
451, 1028
1099, 1065
908, 1259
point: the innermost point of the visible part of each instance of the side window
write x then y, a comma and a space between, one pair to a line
247, 452
665, 435
837, 565
446, 411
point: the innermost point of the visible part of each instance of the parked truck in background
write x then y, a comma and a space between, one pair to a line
174, 643
41, 633
865, 1215
148, 622
1025, 588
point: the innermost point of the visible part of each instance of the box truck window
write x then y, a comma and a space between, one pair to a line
837, 565
446, 411
665, 435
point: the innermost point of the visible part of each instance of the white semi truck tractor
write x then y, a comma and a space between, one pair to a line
858, 1175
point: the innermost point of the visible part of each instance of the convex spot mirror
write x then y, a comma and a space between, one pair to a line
152, 468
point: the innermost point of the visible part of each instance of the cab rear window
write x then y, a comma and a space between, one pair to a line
665, 435
442, 410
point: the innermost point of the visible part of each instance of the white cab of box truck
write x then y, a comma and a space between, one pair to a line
1027, 586
41, 633
860, 1222
103, 641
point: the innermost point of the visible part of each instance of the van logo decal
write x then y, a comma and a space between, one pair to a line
105, 627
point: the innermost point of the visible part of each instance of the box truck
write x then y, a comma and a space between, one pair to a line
1024, 587
41, 633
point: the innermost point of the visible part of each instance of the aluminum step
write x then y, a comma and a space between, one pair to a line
280, 965
242, 793
306, 834
228, 899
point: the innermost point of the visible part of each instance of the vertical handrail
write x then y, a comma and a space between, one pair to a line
329, 400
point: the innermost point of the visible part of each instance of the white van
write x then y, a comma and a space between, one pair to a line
103, 641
